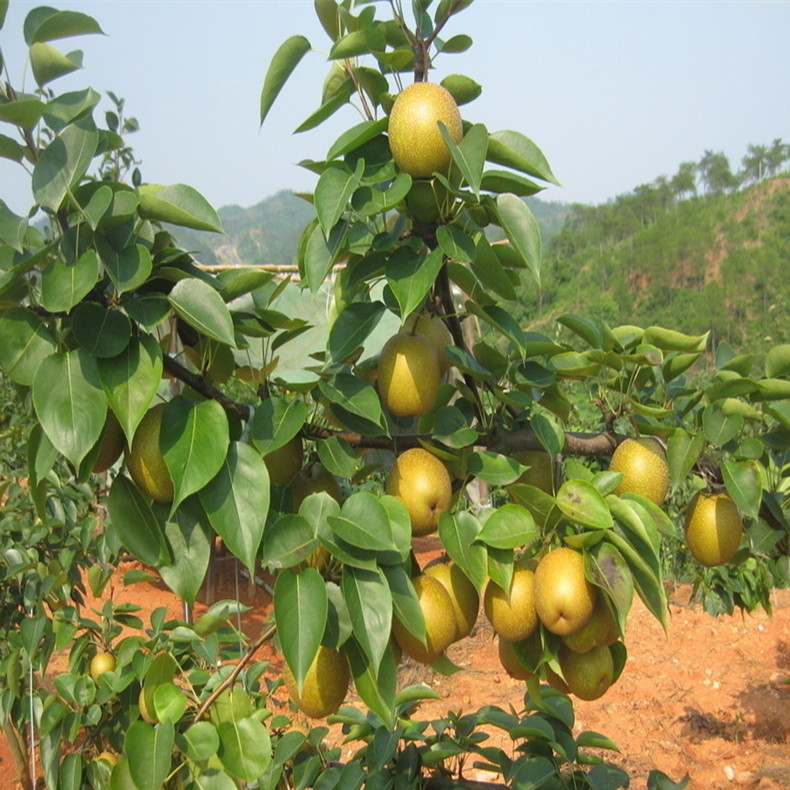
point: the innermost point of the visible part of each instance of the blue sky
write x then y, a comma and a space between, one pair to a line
615, 93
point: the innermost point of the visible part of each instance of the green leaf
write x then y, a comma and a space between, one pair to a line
3, 11
25, 342
405, 603
606, 567
458, 533
194, 439
509, 527
333, 191
505, 181
486, 266
202, 308
64, 286
355, 137
237, 502
281, 66
127, 269
148, 749
353, 327
178, 204
48, 24
549, 433
502, 321
363, 522
300, 613
12, 227
169, 702
581, 502
290, 539
411, 276
376, 685
275, 422
245, 749
718, 427
514, 150
683, 451
131, 380
742, 479
70, 402
190, 542
321, 254
359, 42
134, 523
371, 200
463, 89
327, 109
24, 112
369, 601
48, 63
202, 741
777, 361
102, 331
494, 468
455, 243
672, 340
68, 107
63, 163
353, 395
514, 216
338, 456
470, 154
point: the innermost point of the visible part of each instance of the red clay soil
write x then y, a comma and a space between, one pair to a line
709, 699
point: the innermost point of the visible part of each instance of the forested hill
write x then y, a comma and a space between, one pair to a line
718, 262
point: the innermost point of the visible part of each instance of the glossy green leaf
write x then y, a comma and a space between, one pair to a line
194, 439
376, 685
509, 527
70, 402
777, 361
363, 522
300, 612
25, 342
131, 380
63, 286
190, 542
505, 181
289, 540
405, 603
522, 231
178, 204
353, 395
515, 150
458, 533
742, 479
582, 503
338, 456
63, 163
275, 422
127, 269
494, 468
237, 502
68, 107
411, 276
134, 523
355, 137
490, 272
353, 327
321, 254
327, 109
202, 741
48, 63
502, 321
245, 749
607, 569
281, 66
683, 451
369, 601
455, 243
148, 749
25, 112
49, 24
12, 227
202, 308
672, 340
470, 154
359, 42
102, 331
718, 427
550, 434
371, 200
333, 191
169, 703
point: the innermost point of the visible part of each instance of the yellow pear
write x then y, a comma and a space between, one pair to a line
588, 675
112, 442
284, 462
409, 375
643, 464
436, 331
564, 599
463, 594
415, 139
421, 481
102, 662
325, 684
713, 528
144, 458
512, 614
440, 628
599, 631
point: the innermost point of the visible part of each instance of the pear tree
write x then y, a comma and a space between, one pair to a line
161, 420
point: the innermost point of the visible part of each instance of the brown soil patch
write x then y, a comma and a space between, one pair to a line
707, 699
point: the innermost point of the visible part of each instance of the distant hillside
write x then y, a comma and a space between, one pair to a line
269, 231
715, 262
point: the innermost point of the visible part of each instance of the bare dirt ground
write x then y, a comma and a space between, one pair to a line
710, 698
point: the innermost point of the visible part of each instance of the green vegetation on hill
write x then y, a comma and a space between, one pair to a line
704, 263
